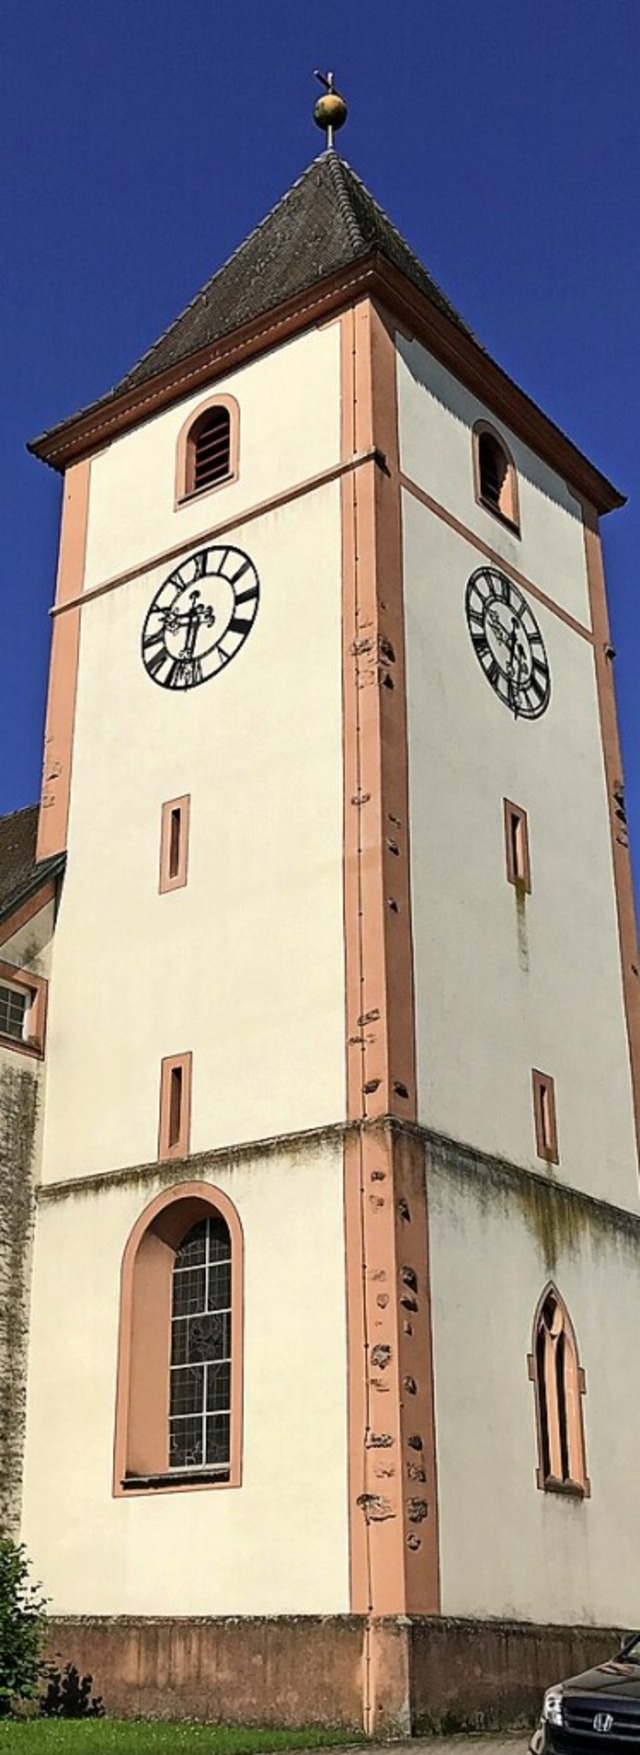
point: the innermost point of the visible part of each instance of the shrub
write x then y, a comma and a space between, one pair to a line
69, 1695
22, 1627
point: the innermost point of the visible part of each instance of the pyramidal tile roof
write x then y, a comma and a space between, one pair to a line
326, 221
324, 225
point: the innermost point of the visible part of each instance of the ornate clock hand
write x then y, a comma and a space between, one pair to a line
496, 627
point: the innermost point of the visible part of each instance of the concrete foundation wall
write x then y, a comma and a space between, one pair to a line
395, 1677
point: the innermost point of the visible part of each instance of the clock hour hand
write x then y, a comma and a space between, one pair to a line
497, 629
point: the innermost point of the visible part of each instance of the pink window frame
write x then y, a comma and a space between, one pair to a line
178, 881
514, 814
36, 1017
178, 1147
509, 512
575, 1387
141, 1439
185, 492
545, 1116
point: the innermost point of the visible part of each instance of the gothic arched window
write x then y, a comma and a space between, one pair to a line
179, 1401
559, 1384
208, 446
496, 483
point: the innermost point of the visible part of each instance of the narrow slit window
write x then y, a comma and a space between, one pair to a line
495, 477
559, 1384
516, 831
174, 839
545, 1119
175, 1106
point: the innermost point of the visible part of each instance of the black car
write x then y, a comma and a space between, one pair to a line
597, 1711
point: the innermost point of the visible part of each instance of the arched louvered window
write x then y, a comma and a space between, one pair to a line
495, 477
179, 1401
559, 1384
208, 445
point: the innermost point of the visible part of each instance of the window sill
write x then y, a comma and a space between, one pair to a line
201, 493
570, 1489
171, 1479
508, 523
32, 1047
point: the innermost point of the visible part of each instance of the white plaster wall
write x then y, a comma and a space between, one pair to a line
497, 995
436, 416
279, 1543
244, 966
508, 1549
289, 431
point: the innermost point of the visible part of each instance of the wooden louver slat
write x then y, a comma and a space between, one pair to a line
211, 448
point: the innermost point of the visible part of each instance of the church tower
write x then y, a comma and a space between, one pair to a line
338, 1226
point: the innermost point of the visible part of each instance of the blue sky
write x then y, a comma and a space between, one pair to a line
140, 140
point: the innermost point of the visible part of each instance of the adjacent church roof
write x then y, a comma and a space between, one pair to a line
19, 873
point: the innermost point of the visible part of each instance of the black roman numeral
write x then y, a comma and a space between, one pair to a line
243, 569
156, 662
239, 624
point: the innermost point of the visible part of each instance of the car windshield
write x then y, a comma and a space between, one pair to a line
631, 1654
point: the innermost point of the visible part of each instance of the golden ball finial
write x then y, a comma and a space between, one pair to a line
330, 111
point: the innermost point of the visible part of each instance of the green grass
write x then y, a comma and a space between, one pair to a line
140, 1737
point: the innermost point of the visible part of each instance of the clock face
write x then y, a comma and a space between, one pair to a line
200, 617
508, 643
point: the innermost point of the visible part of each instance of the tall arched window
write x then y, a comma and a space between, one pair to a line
208, 447
496, 482
559, 1384
179, 1400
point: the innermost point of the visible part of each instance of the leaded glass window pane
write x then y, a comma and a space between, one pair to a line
13, 1005
200, 1401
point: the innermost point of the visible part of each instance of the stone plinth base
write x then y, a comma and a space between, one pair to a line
397, 1676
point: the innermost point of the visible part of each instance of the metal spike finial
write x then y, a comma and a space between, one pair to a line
330, 111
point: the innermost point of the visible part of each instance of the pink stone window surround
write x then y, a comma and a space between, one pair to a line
31, 1002
147, 1458
494, 476
559, 1384
208, 449
516, 833
545, 1116
175, 1106
174, 843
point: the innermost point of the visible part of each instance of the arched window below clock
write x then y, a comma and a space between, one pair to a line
208, 448
495, 479
559, 1385
179, 1398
